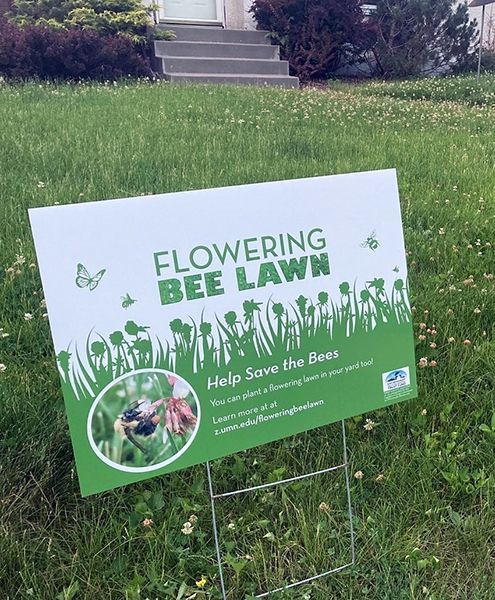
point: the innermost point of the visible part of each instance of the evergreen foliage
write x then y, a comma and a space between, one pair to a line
129, 18
415, 37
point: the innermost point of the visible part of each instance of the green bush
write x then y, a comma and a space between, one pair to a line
129, 18
420, 37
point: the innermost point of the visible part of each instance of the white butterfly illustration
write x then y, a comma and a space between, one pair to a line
84, 279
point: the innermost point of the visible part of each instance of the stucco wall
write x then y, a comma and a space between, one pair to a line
489, 33
237, 15
249, 21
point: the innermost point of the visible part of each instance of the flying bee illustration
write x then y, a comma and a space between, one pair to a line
371, 242
396, 269
141, 418
127, 301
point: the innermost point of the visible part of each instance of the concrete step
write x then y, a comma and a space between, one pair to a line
216, 50
194, 33
259, 80
237, 66
202, 54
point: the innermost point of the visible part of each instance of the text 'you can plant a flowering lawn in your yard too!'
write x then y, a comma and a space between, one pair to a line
272, 309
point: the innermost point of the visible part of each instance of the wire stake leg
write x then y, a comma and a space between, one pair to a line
215, 530
344, 465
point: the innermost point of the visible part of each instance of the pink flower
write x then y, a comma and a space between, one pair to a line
179, 417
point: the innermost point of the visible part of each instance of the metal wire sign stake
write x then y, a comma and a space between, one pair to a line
213, 497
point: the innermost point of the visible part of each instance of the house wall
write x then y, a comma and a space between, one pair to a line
250, 22
489, 32
237, 15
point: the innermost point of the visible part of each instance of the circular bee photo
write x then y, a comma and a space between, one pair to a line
143, 420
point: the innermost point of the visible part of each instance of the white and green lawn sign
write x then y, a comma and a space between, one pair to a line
192, 325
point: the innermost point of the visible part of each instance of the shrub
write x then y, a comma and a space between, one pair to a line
315, 36
38, 51
416, 37
118, 17
13, 51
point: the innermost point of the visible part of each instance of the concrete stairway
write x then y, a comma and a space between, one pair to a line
215, 55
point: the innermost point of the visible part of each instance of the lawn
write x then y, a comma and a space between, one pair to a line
423, 509
456, 89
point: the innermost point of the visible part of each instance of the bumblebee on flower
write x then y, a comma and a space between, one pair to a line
143, 418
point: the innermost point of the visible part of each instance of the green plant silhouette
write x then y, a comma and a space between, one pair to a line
264, 330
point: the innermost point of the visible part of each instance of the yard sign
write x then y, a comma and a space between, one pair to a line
192, 325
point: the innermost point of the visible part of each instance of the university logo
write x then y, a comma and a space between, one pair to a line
396, 379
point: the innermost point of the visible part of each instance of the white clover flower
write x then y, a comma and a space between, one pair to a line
187, 528
369, 425
3, 368
28, 317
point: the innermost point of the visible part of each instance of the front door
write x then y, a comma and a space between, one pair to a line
192, 11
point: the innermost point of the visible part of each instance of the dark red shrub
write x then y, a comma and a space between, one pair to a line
14, 59
36, 51
316, 36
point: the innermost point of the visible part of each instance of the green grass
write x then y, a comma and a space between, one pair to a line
427, 529
464, 89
